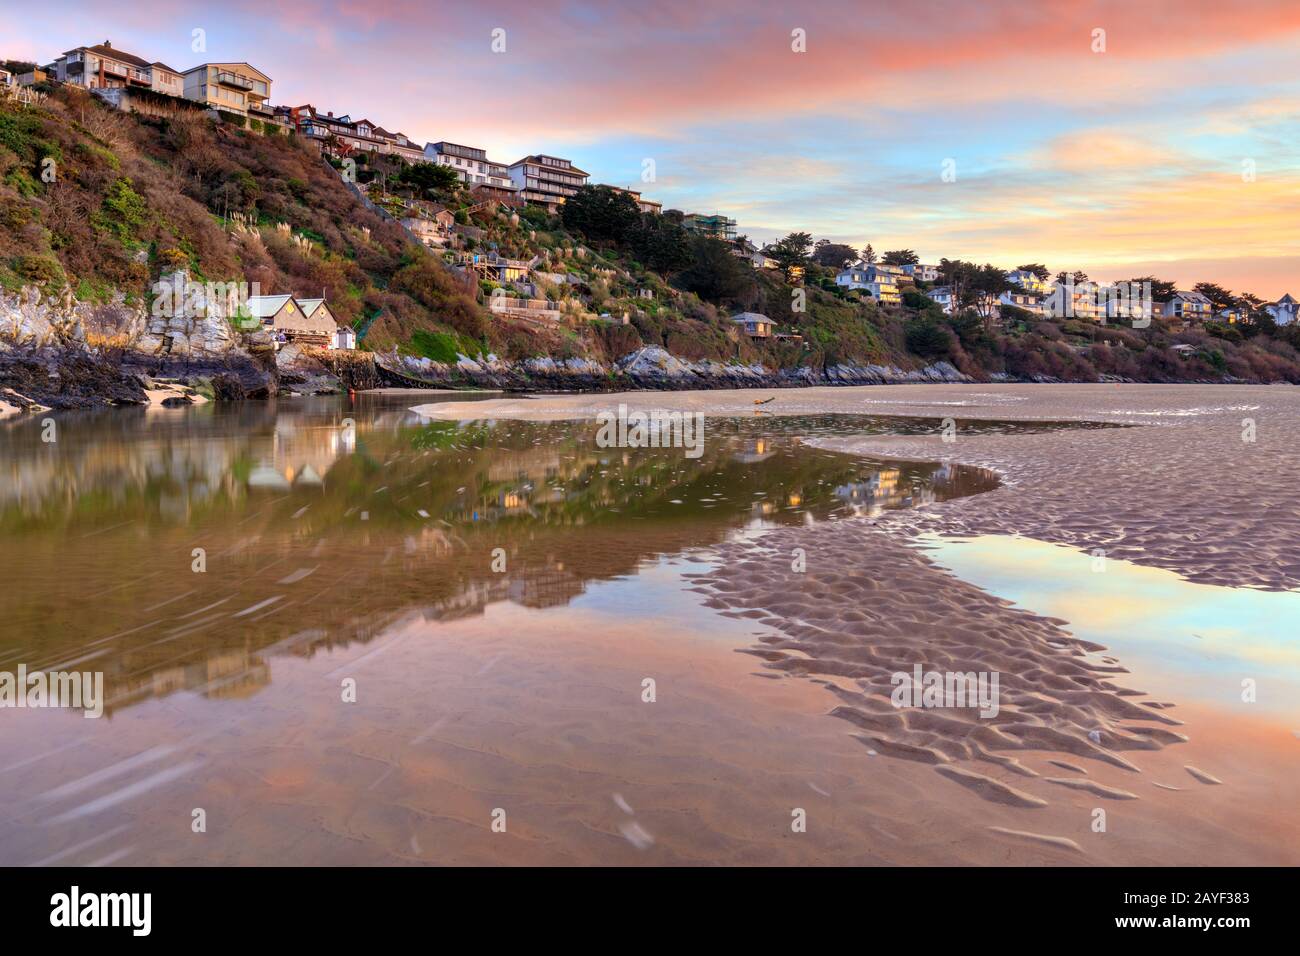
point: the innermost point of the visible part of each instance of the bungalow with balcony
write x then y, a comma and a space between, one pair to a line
755, 324
546, 180
1283, 310
1188, 307
881, 281
238, 88
491, 266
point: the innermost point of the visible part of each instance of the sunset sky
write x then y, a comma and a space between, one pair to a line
1120, 163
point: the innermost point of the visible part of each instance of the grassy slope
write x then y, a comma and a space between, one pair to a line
135, 197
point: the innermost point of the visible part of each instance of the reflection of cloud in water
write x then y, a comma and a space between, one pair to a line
1181, 638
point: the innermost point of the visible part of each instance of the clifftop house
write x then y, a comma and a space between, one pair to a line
103, 67
471, 164
238, 88
344, 136
1283, 310
643, 204
876, 278
715, 227
1189, 307
546, 180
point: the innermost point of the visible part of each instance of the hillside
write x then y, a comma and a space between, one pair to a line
97, 205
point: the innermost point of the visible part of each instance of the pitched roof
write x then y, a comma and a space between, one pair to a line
750, 317
309, 305
166, 67
265, 306
108, 50
229, 63
1285, 300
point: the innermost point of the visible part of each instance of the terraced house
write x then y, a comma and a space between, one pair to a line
343, 136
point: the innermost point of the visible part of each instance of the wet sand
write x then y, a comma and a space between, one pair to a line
1181, 490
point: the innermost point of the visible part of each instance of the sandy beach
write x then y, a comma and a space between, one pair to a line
1203, 482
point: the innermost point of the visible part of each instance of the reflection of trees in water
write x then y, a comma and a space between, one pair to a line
276, 497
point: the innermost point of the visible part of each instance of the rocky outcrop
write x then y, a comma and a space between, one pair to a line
65, 378
61, 353
650, 367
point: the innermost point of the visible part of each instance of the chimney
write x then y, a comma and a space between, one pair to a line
330, 114
107, 45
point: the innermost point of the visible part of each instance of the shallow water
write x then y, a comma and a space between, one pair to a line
350, 635
1221, 647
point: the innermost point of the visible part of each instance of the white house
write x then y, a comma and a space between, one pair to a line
943, 297
1021, 299
1283, 310
880, 280
471, 164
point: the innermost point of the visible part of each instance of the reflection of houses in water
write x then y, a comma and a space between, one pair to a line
536, 587
549, 587
468, 602
884, 489
753, 450
225, 674
302, 455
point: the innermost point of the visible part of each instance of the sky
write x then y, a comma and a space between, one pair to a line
1120, 138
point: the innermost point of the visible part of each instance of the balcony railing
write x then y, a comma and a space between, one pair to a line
234, 80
